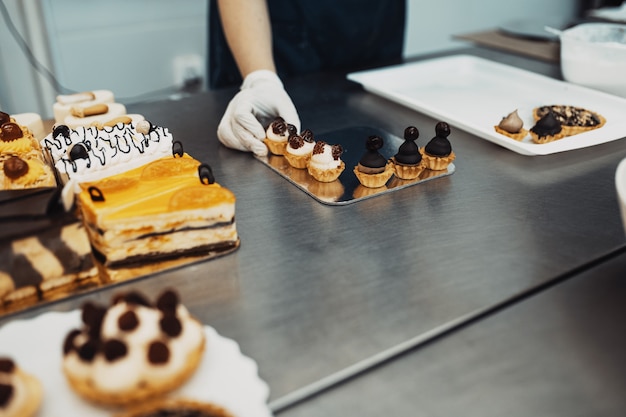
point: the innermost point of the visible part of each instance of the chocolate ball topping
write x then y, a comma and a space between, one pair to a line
168, 301
158, 353
68, 343
279, 127
292, 129
170, 325
4, 118
15, 167
296, 141
372, 158
88, 350
78, 151
6, 392
128, 321
408, 152
307, 136
62, 130
10, 131
114, 349
92, 316
7, 366
440, 146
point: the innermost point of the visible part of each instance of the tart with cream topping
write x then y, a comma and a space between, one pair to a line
20, 393
512, 126
277, 134
299, 149
133, 350
326, 164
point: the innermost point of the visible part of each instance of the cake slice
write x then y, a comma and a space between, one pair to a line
157, 216
44, 251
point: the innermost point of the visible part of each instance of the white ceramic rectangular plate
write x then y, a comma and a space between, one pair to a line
474, 94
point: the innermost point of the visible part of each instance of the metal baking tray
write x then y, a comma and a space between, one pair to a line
347, 189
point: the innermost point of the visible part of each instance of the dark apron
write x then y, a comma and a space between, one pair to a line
318, 35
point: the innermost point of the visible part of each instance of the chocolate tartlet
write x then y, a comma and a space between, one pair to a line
438, 152
373, 169
408, 162
547, 129
573, 119
512, 126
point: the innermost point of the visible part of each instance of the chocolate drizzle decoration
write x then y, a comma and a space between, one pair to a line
279, 127
307, 135
337, 150
97, 196
177, 149
296, 141
206, 174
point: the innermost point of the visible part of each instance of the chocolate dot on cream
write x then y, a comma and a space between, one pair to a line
158, 353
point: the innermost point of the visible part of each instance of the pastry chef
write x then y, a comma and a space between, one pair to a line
256, 43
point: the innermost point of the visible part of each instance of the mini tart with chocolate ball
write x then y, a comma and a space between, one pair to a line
547, 129
512, 126
20, 393
325, 164
299, 149
133, 350
373, 169
277, 135
176, 408
437, 153
573, 119
408, 162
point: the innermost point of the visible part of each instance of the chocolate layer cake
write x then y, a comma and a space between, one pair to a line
44, 251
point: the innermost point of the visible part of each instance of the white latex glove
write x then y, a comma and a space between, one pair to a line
262, 96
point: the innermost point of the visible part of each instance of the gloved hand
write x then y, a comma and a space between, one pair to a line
262, 96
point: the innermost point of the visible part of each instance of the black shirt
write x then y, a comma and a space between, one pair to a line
318, 35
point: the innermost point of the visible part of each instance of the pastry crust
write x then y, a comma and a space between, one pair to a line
516, 136
573, 119
157, 408
275, 147
297, 161
149, 389
375, 180
408, 172
437, 163
29, 404
326, 175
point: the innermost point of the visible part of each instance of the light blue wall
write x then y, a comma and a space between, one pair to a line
128, 46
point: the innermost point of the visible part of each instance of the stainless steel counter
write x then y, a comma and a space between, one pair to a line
316, 292
559, 353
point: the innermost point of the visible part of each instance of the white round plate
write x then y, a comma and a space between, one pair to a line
225, 376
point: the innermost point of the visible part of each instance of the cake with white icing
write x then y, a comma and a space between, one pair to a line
133, 349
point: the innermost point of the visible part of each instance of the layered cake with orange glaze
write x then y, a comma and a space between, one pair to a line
20, 392
133, 349
168, 212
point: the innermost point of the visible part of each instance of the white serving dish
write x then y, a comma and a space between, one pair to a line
594, 55
225, 376
474, 94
